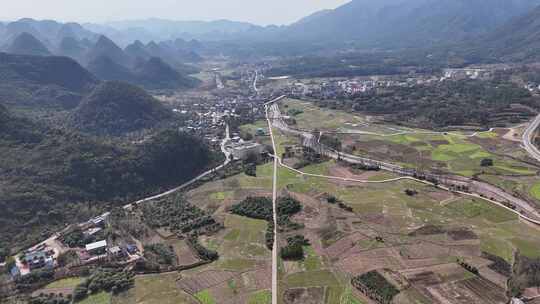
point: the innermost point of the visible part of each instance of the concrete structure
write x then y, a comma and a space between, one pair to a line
243, 150
132, 249
38, 259
97, 247
93, 231
116, 251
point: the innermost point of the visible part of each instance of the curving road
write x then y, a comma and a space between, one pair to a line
194, 180
255, 82
528, 137
480, 189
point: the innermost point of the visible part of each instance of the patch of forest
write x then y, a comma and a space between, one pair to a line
179, 216
448, 103
51, 177
261, 208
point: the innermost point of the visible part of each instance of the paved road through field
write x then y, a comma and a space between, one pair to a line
199, 177
274, 207
527, 139
524, 208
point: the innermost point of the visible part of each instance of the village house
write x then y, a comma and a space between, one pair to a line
97, 248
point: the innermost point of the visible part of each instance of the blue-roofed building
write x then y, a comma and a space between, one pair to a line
15, 271
132, 249
38, 259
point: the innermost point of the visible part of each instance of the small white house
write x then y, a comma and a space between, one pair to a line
97, 247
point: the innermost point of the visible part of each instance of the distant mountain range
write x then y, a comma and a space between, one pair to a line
125, 32
381, 24
61, 131
361, 24
517, 40
43, 81
26, 44
405, 23
103, 56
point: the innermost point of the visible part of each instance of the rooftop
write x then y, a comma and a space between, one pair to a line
96, 245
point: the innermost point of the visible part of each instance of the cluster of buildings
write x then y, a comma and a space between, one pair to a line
336, 88
533, 87
42, 256
466, 73
206, 118
103, 249
45, 255
241, 150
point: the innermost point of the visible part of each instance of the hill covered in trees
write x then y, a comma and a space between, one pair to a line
43, 81
50, 177
399, 23
116, 108
517, 40
449, 103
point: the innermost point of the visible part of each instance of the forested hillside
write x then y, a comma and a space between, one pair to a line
116, 108
400, 23
43, 81
50, 177
517, 40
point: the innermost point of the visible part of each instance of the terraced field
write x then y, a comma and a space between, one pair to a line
414, 240
155, 289
380, 233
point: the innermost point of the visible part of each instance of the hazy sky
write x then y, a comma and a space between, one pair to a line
256, 11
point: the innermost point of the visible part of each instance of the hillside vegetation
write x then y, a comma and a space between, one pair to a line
449, 103
50, 177
116, 108
43, 81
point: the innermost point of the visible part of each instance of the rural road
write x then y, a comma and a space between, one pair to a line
481, 189
255, 82
274, 204
528, 136
225, 163
219, 82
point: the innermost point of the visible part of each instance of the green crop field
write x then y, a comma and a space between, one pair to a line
311, 261
471, 209
222, 195
98, 298
535, 191
205, 297
245, 239
154, 289
527, 247
237, 264
65, 283
348, 298
311, 278
260, 297
313, 117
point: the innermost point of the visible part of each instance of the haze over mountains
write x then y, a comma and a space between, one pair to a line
61, 132
395, 23
101, 55
125, 32
385, 24
517, 40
